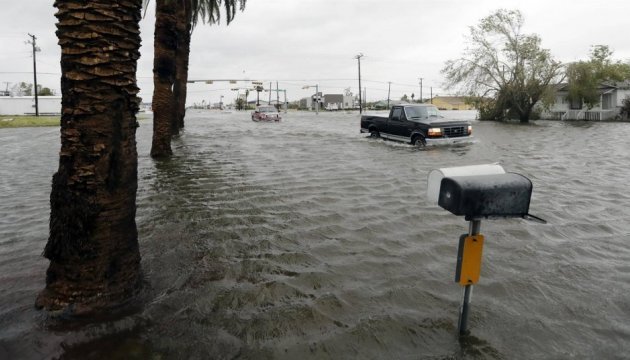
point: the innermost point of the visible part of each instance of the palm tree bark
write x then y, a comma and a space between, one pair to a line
93, 243
164, 72
184, 29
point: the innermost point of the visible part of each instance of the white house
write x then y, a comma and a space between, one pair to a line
25, 105
611, 101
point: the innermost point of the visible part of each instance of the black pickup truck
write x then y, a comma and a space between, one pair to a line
417, 124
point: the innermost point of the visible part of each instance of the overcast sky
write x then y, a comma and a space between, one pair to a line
308, 42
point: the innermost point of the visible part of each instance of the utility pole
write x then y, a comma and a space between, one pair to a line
358, 57
35, 49
431, 94
269, 103
6, 91
389, 88
277, 96
420, 90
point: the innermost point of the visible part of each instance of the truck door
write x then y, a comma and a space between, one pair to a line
397, 122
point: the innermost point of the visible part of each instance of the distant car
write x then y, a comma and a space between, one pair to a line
266, 113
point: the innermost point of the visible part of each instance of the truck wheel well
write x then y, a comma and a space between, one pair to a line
374, 132
417, 137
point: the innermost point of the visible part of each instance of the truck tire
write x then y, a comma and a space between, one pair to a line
374, 134
418, 141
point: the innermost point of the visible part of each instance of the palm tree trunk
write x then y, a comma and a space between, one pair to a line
164, 72
93, 242
184, 27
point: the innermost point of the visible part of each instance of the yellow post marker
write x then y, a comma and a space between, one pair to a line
468, 268
469, 259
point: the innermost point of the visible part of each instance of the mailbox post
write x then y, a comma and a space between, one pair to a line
477, 192
473, 232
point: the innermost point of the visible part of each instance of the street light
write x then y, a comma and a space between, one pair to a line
316, 96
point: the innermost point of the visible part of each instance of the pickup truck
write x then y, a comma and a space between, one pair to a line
416, 124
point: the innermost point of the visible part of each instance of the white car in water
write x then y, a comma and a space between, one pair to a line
266, 113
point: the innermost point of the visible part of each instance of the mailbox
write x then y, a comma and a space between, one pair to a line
486, 196
436, 176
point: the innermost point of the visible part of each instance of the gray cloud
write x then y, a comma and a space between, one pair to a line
308, 41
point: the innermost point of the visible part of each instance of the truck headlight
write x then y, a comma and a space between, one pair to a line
469, 129
435, 132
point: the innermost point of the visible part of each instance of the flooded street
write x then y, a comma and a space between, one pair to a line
305, 239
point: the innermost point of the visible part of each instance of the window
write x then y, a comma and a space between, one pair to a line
396, 113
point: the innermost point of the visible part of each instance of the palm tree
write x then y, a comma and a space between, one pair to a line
175, 20
208, 11
93, 242
164, 73
184, 28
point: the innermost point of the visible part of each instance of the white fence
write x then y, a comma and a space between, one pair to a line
25, 105
590, 115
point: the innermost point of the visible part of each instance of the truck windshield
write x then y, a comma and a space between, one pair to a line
421, 112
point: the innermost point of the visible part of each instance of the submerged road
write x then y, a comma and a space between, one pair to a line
304, 239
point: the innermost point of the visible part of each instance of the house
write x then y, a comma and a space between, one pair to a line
328, 102
451, 103
382, 104
611, 95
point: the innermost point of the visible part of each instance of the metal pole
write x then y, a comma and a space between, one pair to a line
286, 106
389, 88
431, 94
358, 57
269, 102
317, 99
35, 74
277, 96
473, 229
421, 90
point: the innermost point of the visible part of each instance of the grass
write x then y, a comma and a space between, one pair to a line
14, 121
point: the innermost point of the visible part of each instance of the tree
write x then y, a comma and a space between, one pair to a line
26, 89
164, 72
175, 21
506, 68
44, 91
93, 242
404, 98
22, 89
585, 77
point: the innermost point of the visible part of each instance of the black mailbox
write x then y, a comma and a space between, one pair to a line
483, 196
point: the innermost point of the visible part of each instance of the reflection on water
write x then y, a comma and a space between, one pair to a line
305, 239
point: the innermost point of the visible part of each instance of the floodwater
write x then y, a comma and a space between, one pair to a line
305, 239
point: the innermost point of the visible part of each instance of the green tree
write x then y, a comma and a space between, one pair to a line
404, 98
26, 89
93, 241
44, 91
585, 77
508, 70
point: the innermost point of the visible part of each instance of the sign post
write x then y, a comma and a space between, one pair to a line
468, 268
